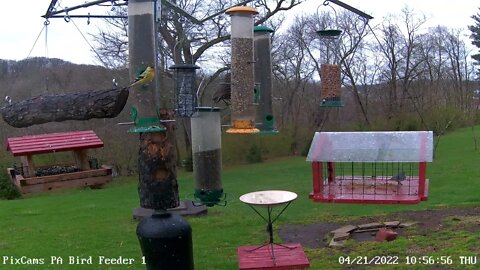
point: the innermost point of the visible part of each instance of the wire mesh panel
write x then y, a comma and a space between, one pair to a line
369, 183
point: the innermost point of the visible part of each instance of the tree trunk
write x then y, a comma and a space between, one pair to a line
72, 106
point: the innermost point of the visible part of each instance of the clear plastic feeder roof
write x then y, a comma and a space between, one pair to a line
401, 146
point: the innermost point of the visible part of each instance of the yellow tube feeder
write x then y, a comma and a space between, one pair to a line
243, 110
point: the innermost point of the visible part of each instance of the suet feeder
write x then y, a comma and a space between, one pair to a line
370, 167
263, 78
185, 89
243, 112
207, 155
330, 94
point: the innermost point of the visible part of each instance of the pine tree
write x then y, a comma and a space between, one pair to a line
475, 29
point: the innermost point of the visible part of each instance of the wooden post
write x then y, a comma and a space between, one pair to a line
27, 166
81, 159
157, 157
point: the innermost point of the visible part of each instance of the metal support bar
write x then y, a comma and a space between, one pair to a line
181, 11
352, 9
90, 16
50, 11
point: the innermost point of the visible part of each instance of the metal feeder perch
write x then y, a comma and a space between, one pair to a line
185, 89
330, 69
242, 74
263, 78
370, 167
207, 155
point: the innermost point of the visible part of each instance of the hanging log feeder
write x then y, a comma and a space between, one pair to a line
72, 106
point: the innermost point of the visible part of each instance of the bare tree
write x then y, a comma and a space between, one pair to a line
400, 45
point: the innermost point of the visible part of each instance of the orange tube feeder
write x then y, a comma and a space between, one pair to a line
243, 110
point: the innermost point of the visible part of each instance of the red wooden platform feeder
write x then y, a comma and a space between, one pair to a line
370, 167
85, 173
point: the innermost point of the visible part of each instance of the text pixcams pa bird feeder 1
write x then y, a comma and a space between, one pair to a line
242, 107
185, 89
370, 167
207, 155
330, 69
263, 78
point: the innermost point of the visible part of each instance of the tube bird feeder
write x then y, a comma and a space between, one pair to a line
185, 89
207, 155
242, 75
263, 78
330, 69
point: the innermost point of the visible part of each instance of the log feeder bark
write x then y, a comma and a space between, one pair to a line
158, 187
72, 106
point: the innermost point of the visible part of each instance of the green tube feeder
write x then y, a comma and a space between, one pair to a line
263, 79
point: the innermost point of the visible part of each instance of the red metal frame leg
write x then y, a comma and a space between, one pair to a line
422, 175
317, 168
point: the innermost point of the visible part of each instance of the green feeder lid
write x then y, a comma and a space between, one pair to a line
262, 28
329, 33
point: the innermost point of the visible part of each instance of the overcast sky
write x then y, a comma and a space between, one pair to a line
21, 23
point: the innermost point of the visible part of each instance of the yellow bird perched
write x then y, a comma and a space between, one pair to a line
144, 77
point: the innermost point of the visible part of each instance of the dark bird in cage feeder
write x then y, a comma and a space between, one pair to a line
224, 92
401, 176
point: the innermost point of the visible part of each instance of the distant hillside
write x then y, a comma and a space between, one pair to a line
34, 76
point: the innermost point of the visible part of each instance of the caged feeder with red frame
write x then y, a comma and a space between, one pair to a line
370, 167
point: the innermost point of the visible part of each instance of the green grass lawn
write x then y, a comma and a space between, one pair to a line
83, 223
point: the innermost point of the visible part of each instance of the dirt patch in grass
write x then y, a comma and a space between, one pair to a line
428, 221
